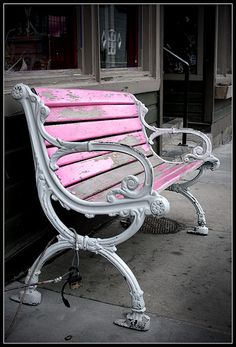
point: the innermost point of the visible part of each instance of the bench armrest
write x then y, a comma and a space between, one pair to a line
129, 183
130, 187
198, 152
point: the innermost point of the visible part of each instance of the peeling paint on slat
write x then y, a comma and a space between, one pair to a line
132, 139
175, 174
76, 172
72, 97
96, 112
165, 174
97, 184
93, 130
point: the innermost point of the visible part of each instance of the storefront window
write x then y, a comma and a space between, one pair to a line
81, 44
180, 36
40, 38
118, 36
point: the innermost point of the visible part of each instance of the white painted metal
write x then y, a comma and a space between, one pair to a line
198, 152
183, 188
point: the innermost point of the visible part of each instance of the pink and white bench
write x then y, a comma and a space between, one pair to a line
92, 153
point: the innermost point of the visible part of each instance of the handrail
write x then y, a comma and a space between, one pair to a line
186, 80
176, 56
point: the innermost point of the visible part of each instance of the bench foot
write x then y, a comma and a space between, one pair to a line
31, 297
199, 230
135, 320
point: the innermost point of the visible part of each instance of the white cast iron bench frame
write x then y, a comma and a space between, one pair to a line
135, 204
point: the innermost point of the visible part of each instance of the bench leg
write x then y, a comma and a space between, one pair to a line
201, 228
136, 319
31, 296
183, 188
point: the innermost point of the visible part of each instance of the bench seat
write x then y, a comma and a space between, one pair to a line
165, 175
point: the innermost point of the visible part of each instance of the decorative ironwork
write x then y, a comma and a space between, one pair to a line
198, 152
136, 201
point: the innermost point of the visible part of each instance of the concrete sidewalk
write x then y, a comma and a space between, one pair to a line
186, 280
91, 321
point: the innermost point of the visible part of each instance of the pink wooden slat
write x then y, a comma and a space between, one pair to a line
93, 130
87, 113
165, 175
74, 97
74, 173
101, 196
105, 180
132, 139
175, 175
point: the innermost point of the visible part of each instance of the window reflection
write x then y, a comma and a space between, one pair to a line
39, 38
118, 36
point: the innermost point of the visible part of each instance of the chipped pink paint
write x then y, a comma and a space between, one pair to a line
77, 172
165, 175
74, 97
90, 130
75, 157
81, 113
175, 174
74, 173
101, 196
133, 140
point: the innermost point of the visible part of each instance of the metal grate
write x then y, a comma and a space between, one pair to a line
162, 225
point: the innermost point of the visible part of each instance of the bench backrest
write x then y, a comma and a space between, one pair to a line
85, 115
